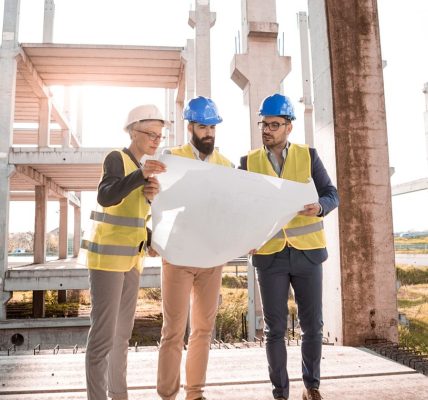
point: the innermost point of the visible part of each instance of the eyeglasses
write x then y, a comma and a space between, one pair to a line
273, 126
152, 136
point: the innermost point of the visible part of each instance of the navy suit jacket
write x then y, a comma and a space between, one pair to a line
328, 198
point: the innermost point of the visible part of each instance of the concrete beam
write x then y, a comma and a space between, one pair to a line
39, 179
409, 187
35, 82
62, 279
26, 156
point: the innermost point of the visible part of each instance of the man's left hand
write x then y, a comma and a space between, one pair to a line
311, 210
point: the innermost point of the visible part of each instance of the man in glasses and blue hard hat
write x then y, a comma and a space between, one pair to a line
294, 256
114, 250
184, 286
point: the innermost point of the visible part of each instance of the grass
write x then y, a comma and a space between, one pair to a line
410, 275
413, 302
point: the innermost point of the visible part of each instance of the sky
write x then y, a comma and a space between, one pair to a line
404, 33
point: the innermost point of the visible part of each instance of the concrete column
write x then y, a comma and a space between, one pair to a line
80, 114
77, 227
368, 278
170, 107
189, 56
48, 21
306, 79
65, 138
426, 118
324, 141
8, 69
63, 227
45, 108
261, 69
179, 124
255, 314
39, 306
41, 198
202, 20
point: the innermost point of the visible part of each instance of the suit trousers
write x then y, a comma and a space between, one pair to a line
114, 299
303, 270
183, 287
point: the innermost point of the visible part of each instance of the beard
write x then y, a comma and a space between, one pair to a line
204, 145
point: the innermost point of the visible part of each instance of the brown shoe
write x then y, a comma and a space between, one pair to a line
311, 394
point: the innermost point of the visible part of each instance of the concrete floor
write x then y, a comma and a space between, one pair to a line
347, 373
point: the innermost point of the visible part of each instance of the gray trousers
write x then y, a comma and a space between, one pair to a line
303, 270
114, 299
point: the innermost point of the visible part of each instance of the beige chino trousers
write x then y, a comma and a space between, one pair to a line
113, 299
180, 286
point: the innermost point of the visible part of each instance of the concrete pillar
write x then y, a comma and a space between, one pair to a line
324, 141
48, 21
77, 227
306, 79
45, 108
39, 306
63, 228
79, 117
41, 198
62, 296
369, 298
261, 69
202, 20
426, 118
255, 313
169, 113
8, 69
189, 56
74, 295
179, 124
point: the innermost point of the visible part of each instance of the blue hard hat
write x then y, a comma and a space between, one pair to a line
277, 105
203, 111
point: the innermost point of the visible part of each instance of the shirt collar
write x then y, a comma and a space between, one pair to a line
284, 151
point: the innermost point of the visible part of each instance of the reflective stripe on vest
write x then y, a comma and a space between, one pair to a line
109, 249
300, 230
117, 220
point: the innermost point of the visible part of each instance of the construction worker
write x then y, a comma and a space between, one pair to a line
115, 250
296, 253
184, 287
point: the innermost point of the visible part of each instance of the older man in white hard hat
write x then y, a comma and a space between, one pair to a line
115, 249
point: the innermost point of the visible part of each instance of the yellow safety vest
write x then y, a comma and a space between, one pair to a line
117, 231
186, 151
304, 233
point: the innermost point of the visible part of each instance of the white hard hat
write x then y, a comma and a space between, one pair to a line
142, 113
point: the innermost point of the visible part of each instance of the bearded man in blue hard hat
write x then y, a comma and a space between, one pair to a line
184, 287
294, 256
